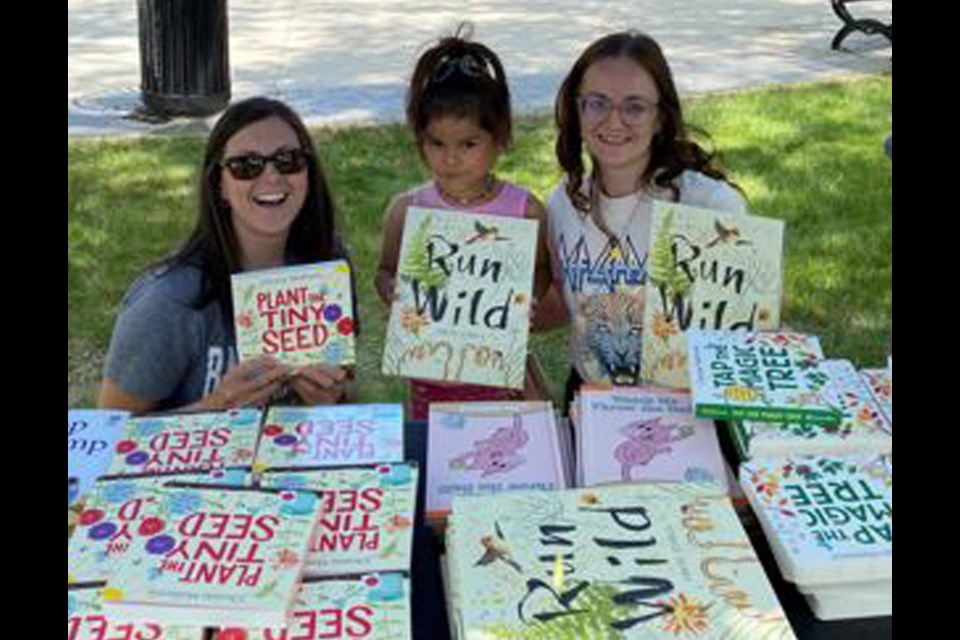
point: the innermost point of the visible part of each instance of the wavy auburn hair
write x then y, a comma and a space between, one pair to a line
672, 151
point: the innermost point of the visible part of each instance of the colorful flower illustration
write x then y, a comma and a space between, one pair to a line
686, 615
412, 321
286, 559
663, 328
345, 326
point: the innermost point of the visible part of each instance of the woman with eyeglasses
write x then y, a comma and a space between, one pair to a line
264, 202
619, 105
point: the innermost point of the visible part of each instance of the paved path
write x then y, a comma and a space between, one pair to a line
346, 61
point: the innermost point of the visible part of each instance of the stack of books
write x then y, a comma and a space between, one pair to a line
863, 426
829, 520
816, 461
644, 434
485, 448
250, 523
657, 560
356, 573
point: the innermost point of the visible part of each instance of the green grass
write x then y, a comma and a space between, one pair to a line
808, 154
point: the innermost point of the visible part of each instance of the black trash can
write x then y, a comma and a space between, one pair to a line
184, 57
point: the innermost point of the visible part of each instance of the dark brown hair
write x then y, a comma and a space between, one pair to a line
212, 246
461, 79
671, 153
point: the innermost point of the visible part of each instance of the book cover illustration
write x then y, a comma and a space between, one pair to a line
215, 557
463, 291
646, 434
709, 270
829, 519
331, 435
767, 377
117, 514
621, 561
366, 516
300, 314
863, 426
478, 448
880, 384
86, 621
90, 437
187, 442
374, 606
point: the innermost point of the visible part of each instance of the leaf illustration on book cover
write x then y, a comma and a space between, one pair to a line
416, 266
664, 272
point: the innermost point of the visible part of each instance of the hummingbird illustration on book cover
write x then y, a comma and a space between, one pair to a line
495, 548
485, 233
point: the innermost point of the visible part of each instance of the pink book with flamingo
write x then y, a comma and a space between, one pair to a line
645, 434
482, 448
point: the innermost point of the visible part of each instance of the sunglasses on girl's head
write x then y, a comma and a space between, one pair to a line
250, 166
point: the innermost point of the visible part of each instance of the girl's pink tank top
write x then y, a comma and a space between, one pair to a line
511, 201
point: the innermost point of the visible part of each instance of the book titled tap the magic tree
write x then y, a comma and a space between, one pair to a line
331, 435
707, 270
299, 314
463, 291
863, 426
646, 561
829, 519
215, 556
366, 516
768, 377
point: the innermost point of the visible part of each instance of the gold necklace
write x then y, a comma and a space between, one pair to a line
616, 244
489, 184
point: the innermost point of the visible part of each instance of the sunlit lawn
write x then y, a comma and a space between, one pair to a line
811, 155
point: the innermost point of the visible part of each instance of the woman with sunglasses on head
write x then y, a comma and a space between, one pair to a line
620, 103
264, 203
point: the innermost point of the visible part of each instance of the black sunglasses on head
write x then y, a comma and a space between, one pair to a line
250, 166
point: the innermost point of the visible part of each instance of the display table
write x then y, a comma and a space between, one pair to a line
429, 606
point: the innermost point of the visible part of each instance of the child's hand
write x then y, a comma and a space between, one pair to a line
250, 383
319, 384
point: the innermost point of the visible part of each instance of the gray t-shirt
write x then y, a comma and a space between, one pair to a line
164, 348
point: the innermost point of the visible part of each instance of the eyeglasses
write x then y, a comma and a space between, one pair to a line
596, 108
251, 166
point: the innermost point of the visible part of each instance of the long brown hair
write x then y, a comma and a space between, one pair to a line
212, 246
672, 151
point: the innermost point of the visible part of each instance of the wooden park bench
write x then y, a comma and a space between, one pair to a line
869, 26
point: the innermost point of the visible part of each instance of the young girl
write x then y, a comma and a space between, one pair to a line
619, 101
264, 203
458, 109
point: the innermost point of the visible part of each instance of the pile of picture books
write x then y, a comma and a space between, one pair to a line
486, 448
815, 439
242, 522
650, 560
644, 434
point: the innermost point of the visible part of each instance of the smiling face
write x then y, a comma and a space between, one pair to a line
460, 154
262, 209
620, 145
